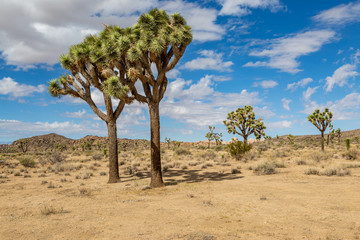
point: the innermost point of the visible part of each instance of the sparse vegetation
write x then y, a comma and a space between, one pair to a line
237, 149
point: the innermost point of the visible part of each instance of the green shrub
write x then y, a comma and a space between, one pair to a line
27, 162
182, 151
238, 149
265, 169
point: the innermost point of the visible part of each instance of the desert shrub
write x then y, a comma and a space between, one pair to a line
208, 155
312, 171
335, 172
347, 143
351, 154
27, 162
319, 156
262, 148
56, 157
182, 151
103, 173
238, 149
301, 162
97, 156
85, 192
235, 171
48, 210
202, 147
249, 156
265, 169
219, 148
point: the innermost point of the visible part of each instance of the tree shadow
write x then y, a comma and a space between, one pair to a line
173, 177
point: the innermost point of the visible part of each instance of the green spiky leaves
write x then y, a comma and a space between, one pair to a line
244, 123
113, 87
56, 86
321, 120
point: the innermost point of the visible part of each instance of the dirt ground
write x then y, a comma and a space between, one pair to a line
208, 196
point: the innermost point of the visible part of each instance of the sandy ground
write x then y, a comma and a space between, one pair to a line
197, 203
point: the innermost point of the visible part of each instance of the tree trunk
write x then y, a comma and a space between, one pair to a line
113, 153
322, 141
209, 144
156, 175
245, 140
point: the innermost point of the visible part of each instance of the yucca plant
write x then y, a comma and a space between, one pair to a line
244, 123
156, 39
321, 120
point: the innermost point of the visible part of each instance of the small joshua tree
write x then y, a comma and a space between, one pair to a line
168, 141
210, 135
217, 137
338, 134
291, 139
23, 144
243, 122
321, 121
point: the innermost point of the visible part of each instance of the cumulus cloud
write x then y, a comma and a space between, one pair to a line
283, 53
341, 14
342, 109
302, 83
42, 30
199, 104
309, 92
286, 103
243, 7
210, 61
280, 124
341, 76
15, 90
266, 84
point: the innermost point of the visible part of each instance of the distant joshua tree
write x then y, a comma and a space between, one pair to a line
321, 121
23, 144
211, 135
243, 122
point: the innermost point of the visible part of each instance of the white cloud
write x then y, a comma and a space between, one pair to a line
266, 84
302, 83
283, 53
279, 125
40, 30
341, 76
15, 90
210, 61
341, 14
199, 104
286, 103
309, 92
342, 109
242, 7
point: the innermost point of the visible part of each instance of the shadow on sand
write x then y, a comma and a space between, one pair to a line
173, 177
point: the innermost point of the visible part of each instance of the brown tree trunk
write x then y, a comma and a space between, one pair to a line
209, 144
322, 141
156, 175
245, 140
113, 153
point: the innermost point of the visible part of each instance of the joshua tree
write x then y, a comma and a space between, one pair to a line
338, 134
159, 40
243, 122
321, 121
92, 64
168, 141
210, 135
291, 139
24, 144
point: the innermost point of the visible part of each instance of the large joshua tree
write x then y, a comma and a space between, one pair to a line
157, 40
321, 121
92, 64
243, 122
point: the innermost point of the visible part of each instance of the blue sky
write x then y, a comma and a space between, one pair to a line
285, 58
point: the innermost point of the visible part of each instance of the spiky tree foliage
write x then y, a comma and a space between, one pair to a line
243, 122
210, 135
95, 64
23, 144
338, 134
156, 39
168, 141
331, 135
321, 120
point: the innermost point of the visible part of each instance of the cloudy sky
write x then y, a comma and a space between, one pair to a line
285, 58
